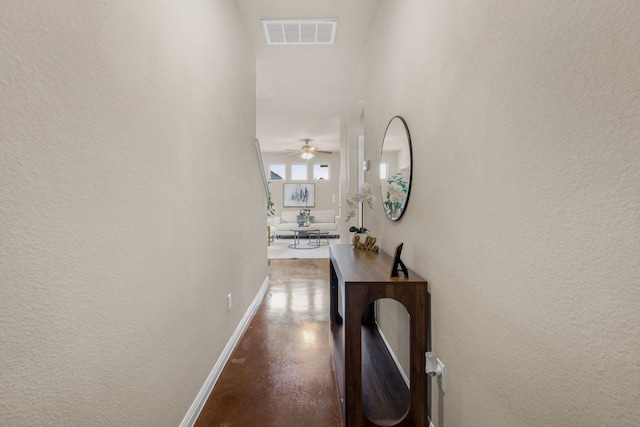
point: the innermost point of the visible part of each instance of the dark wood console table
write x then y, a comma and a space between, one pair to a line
359, 278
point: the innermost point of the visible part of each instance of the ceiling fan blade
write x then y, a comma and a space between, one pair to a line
306, 148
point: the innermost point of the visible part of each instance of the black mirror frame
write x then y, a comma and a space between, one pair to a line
406, 129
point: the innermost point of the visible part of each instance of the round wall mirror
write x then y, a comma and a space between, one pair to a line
396, 163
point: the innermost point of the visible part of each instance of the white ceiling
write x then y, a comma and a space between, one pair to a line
300, 90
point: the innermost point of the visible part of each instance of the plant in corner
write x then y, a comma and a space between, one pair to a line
271, 211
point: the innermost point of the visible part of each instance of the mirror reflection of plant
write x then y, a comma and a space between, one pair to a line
396, 194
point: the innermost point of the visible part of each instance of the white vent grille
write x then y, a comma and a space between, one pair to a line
300, 31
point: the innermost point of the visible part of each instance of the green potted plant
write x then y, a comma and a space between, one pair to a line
358, 230
271, 211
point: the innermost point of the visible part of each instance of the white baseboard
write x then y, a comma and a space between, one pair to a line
197, 405
393, 355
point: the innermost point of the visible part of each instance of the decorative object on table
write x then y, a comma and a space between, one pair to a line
369, 243
299, 195
397, 155
306, 218
398, 264
353, 203
358, 234
364, 195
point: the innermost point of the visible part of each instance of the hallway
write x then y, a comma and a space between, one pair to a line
281, 372
133, 205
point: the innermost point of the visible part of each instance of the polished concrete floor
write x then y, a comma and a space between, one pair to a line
281, 372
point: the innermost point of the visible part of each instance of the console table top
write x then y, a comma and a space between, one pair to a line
356, 265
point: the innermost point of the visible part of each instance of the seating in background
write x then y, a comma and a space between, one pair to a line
323, 219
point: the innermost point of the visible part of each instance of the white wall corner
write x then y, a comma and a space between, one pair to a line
393, 355
197, 405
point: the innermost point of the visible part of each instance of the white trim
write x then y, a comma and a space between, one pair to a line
393, 356
197, 405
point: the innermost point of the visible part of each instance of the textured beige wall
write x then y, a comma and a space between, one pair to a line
123, 128
525, 210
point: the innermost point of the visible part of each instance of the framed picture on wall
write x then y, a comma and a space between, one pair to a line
299, 195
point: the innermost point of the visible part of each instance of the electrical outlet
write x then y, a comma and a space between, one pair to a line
435, 368
442, 378
229, 302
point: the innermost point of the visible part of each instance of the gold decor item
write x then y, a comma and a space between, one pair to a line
369, 244
364, 195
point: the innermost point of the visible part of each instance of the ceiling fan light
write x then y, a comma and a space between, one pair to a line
306, 155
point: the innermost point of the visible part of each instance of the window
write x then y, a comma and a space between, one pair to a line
299, 172
384, 170
320, 171
277, 172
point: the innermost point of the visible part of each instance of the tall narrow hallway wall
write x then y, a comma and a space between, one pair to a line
124, 125
525, 200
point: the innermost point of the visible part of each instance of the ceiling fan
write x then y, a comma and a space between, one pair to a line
307, 151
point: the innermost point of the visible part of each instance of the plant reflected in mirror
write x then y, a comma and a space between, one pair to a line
395, 198
396, 168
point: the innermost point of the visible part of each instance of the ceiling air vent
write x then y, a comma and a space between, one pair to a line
300, 31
